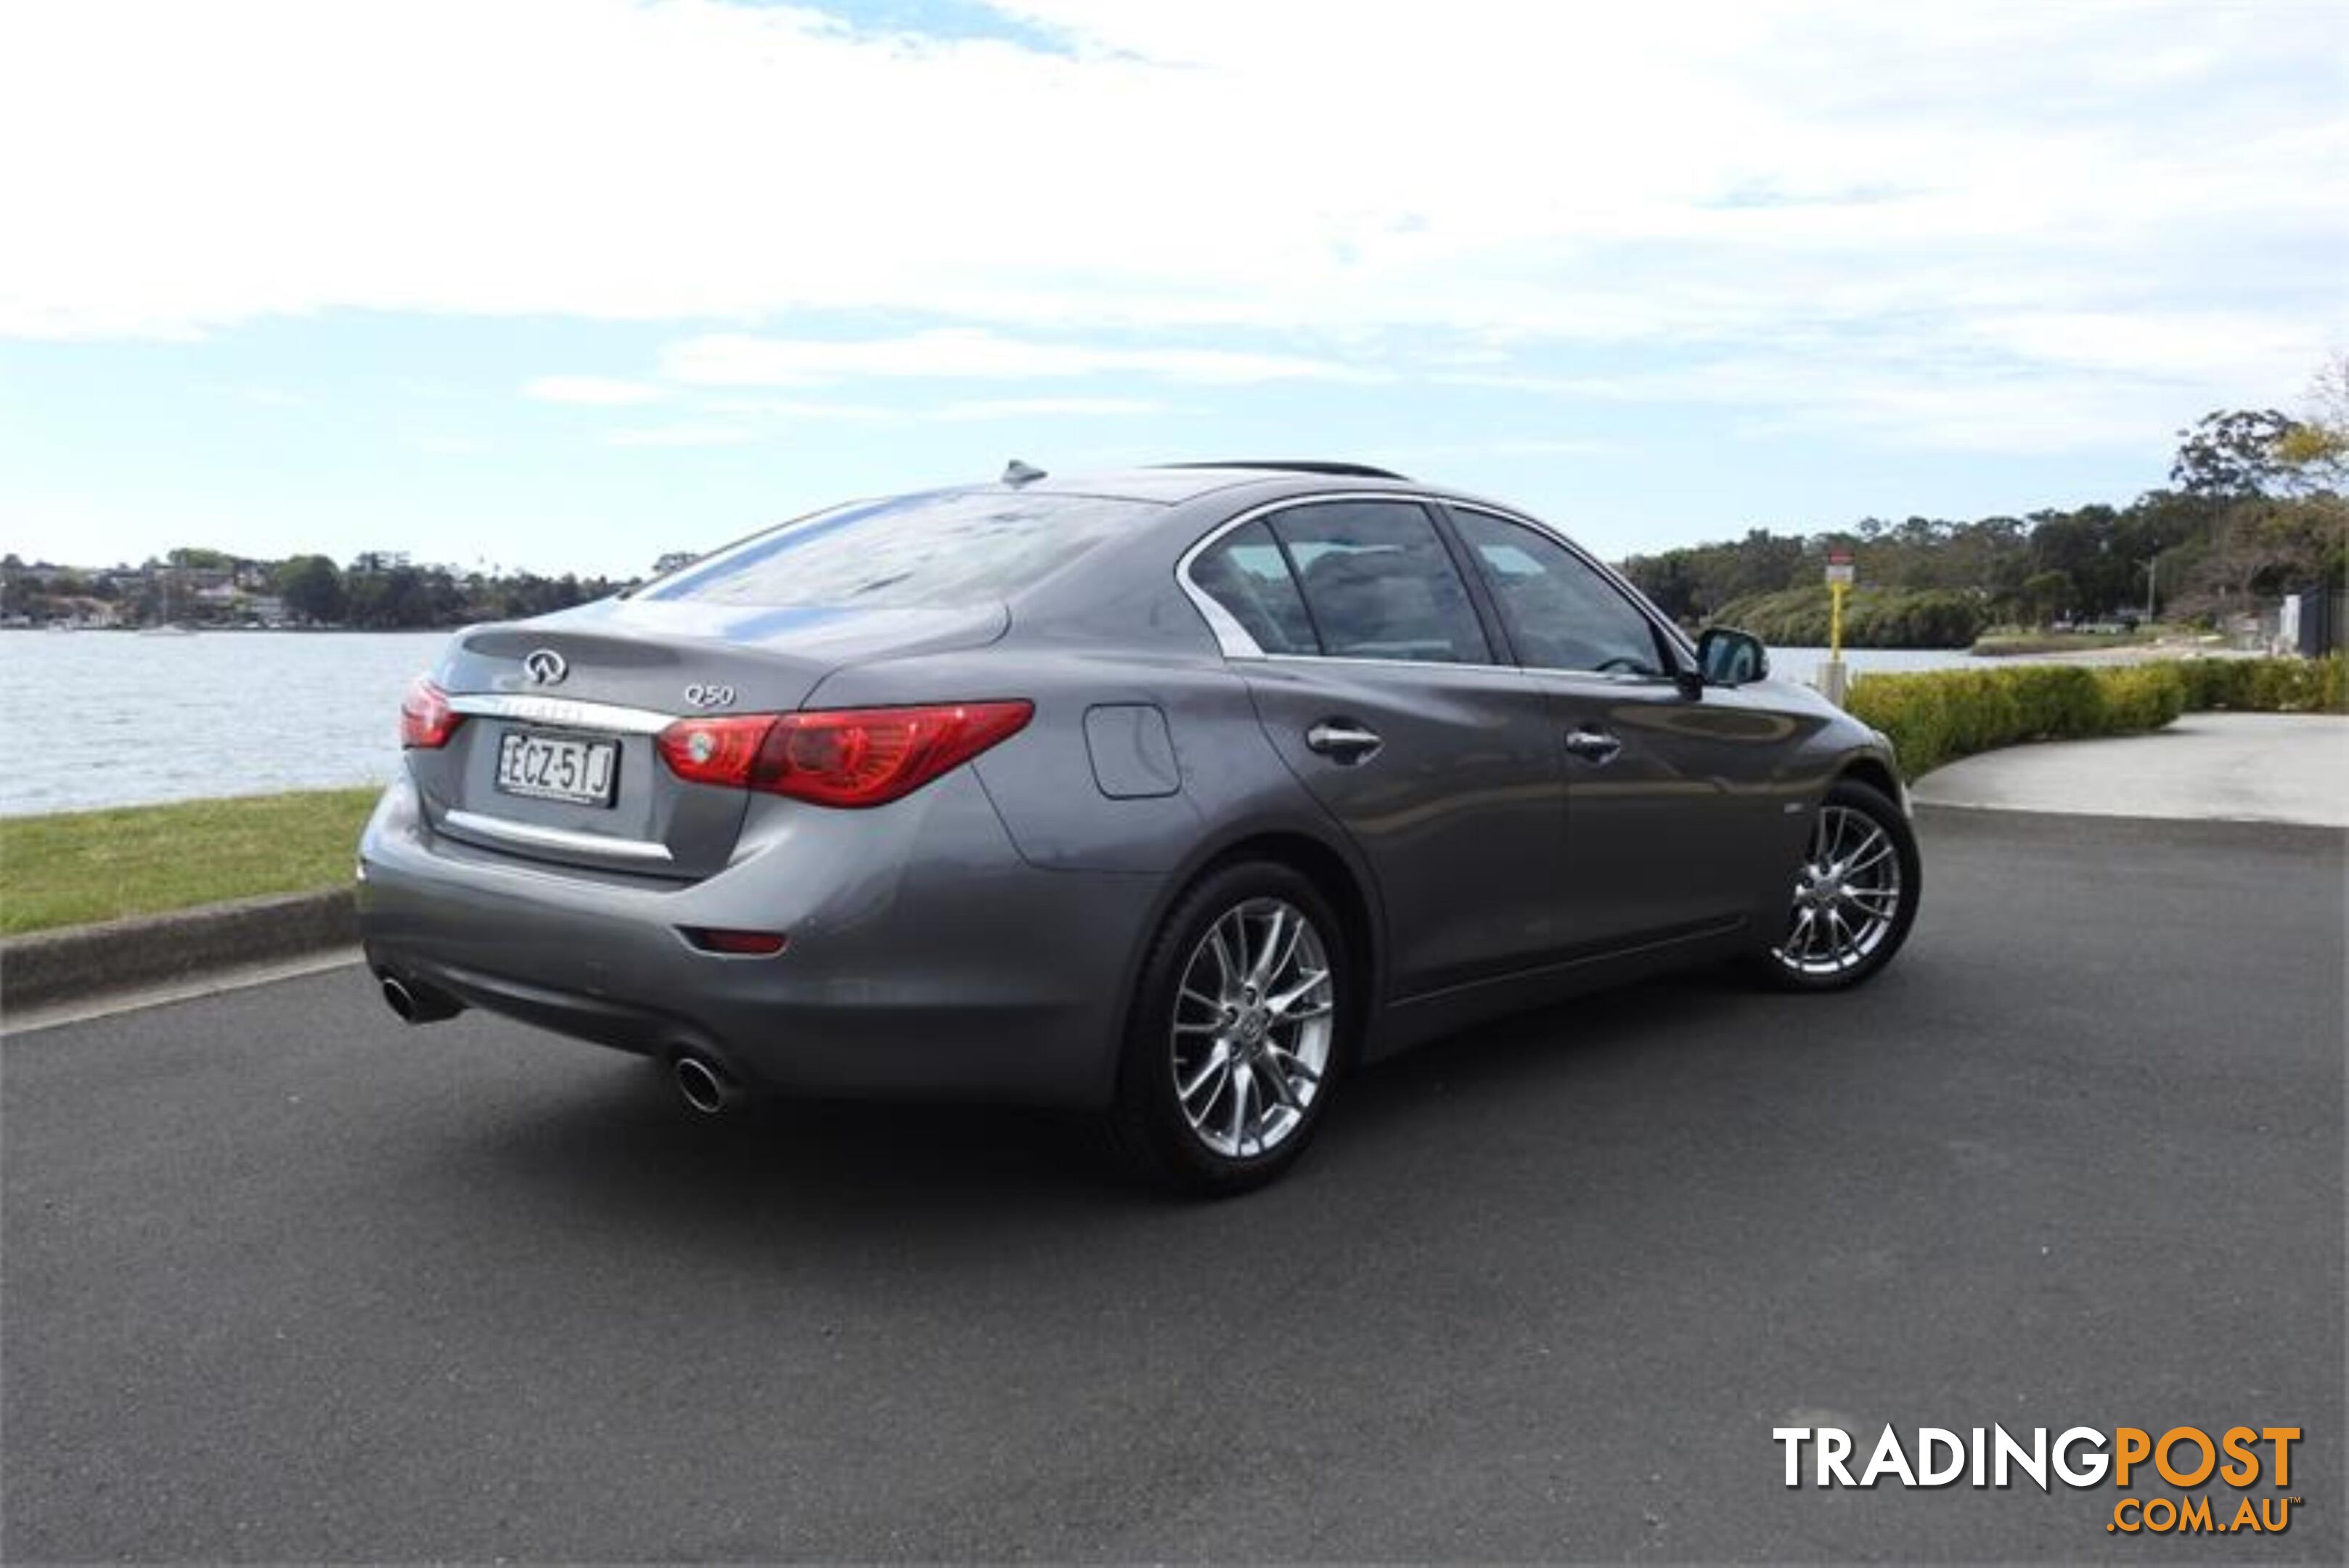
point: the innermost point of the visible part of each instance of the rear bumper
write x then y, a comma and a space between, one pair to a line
925, 957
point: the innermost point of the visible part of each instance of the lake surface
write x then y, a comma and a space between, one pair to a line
112, 718
105, 718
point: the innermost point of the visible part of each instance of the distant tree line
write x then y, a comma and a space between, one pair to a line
398, 596
374, 592
2254, 509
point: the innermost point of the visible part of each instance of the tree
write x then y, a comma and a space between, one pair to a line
312, 587
2044, 596
2232, 454
2314, 454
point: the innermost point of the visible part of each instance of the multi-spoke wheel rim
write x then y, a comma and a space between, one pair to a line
1254, 1017
1846, 895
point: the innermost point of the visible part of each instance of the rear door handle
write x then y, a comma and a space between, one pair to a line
1595, 747
1343, 740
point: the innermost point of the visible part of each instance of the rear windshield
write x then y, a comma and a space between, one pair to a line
945, 548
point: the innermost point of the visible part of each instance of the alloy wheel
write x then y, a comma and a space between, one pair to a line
1255, 1014
1846, 896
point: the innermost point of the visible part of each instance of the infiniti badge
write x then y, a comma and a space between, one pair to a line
545, 666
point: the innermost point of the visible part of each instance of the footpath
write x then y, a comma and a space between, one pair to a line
2203, 767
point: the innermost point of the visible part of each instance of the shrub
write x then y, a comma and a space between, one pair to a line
1941, 715
2143, 698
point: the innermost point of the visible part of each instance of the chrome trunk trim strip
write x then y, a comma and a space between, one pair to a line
537, 838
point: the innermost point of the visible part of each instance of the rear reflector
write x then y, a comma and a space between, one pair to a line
736, 944
849, 757
426, 721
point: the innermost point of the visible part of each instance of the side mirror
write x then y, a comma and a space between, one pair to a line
1731, 658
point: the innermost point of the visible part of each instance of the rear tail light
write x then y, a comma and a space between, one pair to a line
425, 719
850, 757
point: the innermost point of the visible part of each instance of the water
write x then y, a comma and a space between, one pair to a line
104, 718
111, 718
1803, 663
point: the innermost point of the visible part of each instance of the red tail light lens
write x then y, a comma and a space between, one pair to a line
736, 944
426, 720
849, 757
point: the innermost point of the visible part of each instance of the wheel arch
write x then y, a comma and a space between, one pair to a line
1875, 772
1334, 874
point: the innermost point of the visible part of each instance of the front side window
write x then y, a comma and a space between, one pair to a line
1561, 614
1379, 583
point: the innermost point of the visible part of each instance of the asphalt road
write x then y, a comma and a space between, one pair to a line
283, 1280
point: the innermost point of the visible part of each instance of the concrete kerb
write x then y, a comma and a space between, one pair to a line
45, 968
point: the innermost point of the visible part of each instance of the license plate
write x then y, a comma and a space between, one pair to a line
549, 768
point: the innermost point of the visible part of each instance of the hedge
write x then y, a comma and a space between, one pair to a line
1941, 715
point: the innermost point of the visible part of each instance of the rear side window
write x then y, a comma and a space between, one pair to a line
1379, 583
1246, 573
948, 548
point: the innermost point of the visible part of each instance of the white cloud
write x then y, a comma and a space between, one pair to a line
980, 408
688, 434
602, 392
2115, 198
971, 354
1502, 446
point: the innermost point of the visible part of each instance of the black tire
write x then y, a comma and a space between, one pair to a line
1772, 964
1148, 1127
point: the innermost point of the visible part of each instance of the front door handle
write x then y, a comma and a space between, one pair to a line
1343, 741
1595, 747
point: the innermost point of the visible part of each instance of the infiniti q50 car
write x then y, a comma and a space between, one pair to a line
1175, 793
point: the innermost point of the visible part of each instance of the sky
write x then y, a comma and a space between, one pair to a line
564, 285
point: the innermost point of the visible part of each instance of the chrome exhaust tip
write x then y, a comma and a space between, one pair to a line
399, 999
706, 1087
416, 1004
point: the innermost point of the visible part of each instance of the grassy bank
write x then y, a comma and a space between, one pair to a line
77, 867
1872, 617
1941, 715
2009, 644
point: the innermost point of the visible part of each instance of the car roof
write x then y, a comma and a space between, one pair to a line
1172, 483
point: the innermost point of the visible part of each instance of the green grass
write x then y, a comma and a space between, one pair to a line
77, 867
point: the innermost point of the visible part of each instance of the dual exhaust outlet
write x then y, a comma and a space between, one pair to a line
703, 1082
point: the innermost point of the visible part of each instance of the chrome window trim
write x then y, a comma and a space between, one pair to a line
1488, 667
564, 713
1236, 643
537, 838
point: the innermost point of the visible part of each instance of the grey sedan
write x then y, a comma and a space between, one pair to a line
1175, 795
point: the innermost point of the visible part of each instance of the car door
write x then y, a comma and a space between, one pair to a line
1670, 797
1380, 687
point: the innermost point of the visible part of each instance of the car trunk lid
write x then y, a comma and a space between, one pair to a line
555, 760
